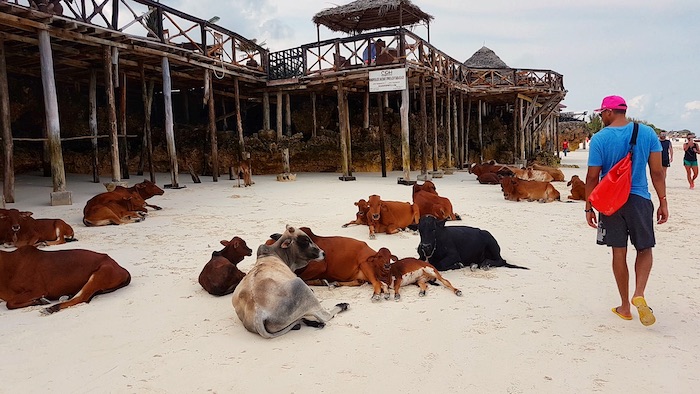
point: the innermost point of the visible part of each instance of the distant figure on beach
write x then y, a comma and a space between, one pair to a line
666, 152
636, 217
565, 147
690, 159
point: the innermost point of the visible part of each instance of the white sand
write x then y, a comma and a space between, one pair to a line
549, 329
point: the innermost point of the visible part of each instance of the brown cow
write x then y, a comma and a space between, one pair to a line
29, 276
408, 271
528, 174
347, 262
490, 178
432, 204
20, 229
578, 188
390, 216
121, 205
361, 215
556, 173
220, 275
492, 166
515, 189
427, 186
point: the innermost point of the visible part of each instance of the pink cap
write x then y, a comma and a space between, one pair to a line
612, 102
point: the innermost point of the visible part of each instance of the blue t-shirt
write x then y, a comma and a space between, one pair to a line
611, 144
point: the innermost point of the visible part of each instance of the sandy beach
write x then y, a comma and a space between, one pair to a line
546, 330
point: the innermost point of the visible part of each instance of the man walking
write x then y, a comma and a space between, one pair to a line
666, 152
636, 217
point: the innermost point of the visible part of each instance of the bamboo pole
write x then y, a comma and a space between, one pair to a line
53, 126
111, 113
93, 126
169, 133
212, 131
8, 187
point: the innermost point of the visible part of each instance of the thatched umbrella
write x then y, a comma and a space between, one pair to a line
362, 15
485, 58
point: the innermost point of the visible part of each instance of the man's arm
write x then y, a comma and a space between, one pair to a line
670, 151
592, 179
659, 182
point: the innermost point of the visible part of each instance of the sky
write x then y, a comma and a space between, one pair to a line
647, 51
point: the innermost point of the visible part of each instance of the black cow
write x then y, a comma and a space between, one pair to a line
454, 247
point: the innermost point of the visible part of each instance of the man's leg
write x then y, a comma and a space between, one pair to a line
642, 268
622, 277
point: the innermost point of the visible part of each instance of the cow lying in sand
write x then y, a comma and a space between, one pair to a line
453, 247
361, 215
390, 216
121, 205
29, 276
271, 300
515, 189
221, 275
19, 228
578, 188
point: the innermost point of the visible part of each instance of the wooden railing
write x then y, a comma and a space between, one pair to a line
401, 47
155, 21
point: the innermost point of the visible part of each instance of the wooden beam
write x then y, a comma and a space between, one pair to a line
448, 125
266, 111
313, 114
424, 124
8, 187
239, 119
111, 113
280, 103
212, 128
92, 98
288, 114
147, 98
435, 124
342, 107
169, 133
405, 133
123, 147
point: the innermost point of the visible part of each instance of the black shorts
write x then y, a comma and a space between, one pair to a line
665, 162
635, 219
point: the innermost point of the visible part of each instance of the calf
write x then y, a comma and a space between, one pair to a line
243, 172
20, 229
221, 275
528, 174
121, 205
458, 246
390, 216
271, 300
557, 174
409, 271
361, 215
578, 188
427, 186
29, 276
429, 203
515, 189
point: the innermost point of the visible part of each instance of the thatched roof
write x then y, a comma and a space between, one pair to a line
362, 15
485, 58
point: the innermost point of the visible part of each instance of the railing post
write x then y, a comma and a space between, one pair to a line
82, 7
203, 32
159, 21
115, 14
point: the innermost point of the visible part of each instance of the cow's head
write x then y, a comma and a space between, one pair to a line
148, 189
381, 263
362, 209
294, 247
574, 179
508, 185
428, 227
14, 217
374, 211
235, 250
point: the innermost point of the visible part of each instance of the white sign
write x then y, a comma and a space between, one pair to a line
387, 80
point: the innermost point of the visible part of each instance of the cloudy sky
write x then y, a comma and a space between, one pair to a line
647, 51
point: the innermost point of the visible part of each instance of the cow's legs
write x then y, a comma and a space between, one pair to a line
447, 284
397, 287
106, 279
423, 286
368, 271
24, 300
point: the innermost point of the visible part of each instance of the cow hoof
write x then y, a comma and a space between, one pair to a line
157, 208
297, 326
397, 297
313, 323
386, 296
51, 309
64, 298
344, 226
376, 298
458, 292
473, 267
43, 301
372, 236
421, 293
343, 306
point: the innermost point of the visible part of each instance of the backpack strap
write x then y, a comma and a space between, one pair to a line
633, 140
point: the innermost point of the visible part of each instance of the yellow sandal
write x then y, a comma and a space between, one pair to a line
646, 314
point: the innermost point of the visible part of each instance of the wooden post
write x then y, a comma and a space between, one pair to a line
111, 113
448, 125
365, 112
424, 132
466, 137
8, 187
313, 114
124, 149
93, 126
455, 130
522, 129
382, 149
342, 107
239, 119
435, 138
462, 136
266, 111
147, 97
288, 114
481, 134
223, 111
405, 133
280, 103
186, 105
53, 125
169, 133
212, 130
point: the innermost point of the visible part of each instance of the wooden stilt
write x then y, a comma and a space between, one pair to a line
448, 125
280, 103
169, 133
212, 131
53, 125
93, 126
455, 129
147, 97
123, 146
266, 111
435, 125
405, 134
462, 137
313, 114
223, 111
239, 119
8, 187
466, 136
424, 131
342, 119
365, 112
382, 149
288, 114
111, 114
481, 133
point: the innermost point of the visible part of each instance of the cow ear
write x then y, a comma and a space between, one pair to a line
276, 236
224, 242
394, 258
286, 243
441, 223
236, 243
25, 214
